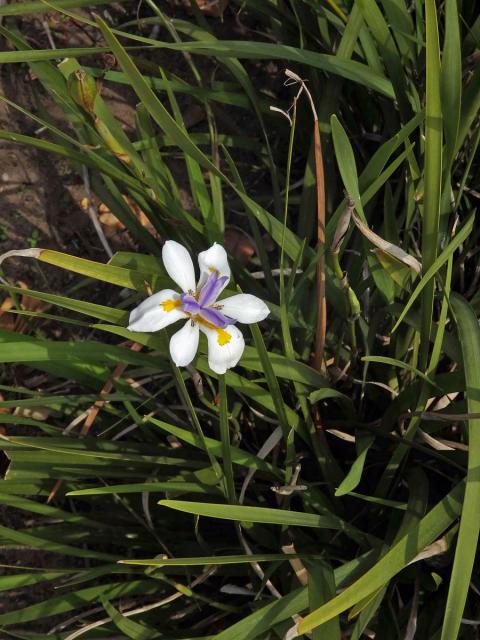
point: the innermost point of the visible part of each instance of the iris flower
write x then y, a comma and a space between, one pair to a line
198, 304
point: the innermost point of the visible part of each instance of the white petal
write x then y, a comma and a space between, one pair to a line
156, 312
184, 344
213, 259
179, 266
225, 346
244, 308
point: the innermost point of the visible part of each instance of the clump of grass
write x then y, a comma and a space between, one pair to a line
326, 487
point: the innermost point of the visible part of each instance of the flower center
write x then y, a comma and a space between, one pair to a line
201, 305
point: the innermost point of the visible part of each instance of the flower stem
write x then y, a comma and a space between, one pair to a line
184, 391
225, 439
352, 300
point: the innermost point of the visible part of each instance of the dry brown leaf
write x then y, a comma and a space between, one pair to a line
442, 444
342, 226
16, 322
436, 444
239, 244
348, 437
387, 247
39, 413
435, 549
7, 320
4, 410
109, 220
213, 8
296, 564
6, 305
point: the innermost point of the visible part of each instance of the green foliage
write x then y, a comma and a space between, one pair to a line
277, 500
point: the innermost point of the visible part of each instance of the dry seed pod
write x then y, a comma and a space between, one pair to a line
83, 89
387, 247
342, 226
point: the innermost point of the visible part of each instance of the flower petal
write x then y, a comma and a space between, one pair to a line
225, 346
156, 312
178, 264
213, 259
211, 289
215, 317
184, 344
244, 307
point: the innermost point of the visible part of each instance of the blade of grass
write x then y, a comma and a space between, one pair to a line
240, 513
39, 7
429, 529
469, 333
451, 81
432, 172
434, 268
378, 26
219, 560
77, 600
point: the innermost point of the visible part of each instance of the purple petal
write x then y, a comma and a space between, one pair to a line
189, 304
215, 317
211, 289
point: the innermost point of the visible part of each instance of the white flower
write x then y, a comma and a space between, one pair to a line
199, 305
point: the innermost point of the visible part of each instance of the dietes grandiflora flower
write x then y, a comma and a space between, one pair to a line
198, 305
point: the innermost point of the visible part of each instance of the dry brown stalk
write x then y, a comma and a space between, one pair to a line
321, 327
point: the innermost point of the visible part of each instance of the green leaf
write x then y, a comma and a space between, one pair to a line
432, 172
28, 540
219, 560
451, 80
449, 250
469, 333
390, 55
397, 270
41, 7
321, 588
228, 477
354, 71
215, 446
272, 380
401, 365
109, 314
346, 163
103, 449
353, 477
152, 487
76, 600
241, 513
428, 529
129, 627
16, 348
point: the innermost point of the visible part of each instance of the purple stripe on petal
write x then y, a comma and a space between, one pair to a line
211, 289
215, 317
189, 304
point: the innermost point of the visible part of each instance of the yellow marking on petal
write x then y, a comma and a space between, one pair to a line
212, 269
223, 337
170, 305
